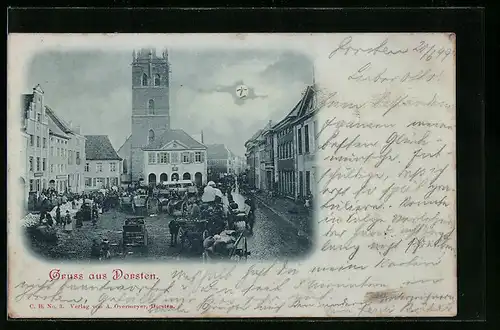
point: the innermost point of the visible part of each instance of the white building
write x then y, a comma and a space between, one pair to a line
173, 156
23, 162
58, 154
67, 154
37, 130
76, 161
102, 164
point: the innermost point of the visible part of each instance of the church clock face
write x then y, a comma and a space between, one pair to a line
241, 91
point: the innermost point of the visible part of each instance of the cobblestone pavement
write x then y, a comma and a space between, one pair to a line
291, 212
78, 243
274, 237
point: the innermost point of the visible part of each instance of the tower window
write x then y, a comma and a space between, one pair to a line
144, 79
151, 136
151, 107
157, 80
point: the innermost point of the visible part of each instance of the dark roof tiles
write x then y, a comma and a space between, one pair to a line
99, 147
217, 151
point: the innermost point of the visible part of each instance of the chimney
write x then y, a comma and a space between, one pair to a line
202, 137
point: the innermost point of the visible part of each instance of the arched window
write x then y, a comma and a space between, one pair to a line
151, 136
144, 79
151, 178
151, 107
157, 79
198, 178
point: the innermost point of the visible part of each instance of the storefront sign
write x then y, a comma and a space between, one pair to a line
38, 174
61, 177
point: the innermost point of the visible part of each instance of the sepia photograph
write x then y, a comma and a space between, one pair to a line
165, 154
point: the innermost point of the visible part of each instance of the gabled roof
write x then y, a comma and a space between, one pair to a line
298, 109
125, 144
217, 151
174, 135
307, 106
57, 120
99, 147
55, 129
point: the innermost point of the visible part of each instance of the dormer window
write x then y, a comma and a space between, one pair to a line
157, 80
144, 79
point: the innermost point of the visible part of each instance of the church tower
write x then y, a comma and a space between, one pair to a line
150, 104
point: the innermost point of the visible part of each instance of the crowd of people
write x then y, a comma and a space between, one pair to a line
208, 205
67, 211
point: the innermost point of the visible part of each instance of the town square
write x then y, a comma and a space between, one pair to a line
154, 177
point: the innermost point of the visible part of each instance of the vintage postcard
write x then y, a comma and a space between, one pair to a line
231, 175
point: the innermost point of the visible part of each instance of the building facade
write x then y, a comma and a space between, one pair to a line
286, 162
58, 157
305, 130
253, 160
267, 158
67, 155
239, 165
76, 161
175, 156
150, 105
23, 162
36, 128
102, 164
281, 157
151, 123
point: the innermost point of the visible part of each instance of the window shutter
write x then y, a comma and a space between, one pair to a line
191, 157
202, 156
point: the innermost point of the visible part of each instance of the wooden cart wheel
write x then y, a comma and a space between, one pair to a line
235, 248
183, 209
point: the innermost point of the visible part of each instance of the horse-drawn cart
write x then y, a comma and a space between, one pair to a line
135, 234
158, 202
177, 205
126, 203
192, 233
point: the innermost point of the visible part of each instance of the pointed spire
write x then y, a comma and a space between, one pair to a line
133, 56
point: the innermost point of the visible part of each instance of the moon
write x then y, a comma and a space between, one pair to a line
241, 91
